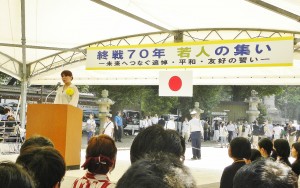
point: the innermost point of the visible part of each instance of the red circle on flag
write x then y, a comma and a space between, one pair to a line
175, 83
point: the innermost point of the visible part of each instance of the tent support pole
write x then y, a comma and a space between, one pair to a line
276, 9
130, 15
23, 72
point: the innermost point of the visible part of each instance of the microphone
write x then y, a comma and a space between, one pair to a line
57, 85
54, 89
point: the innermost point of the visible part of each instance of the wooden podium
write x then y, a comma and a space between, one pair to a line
62, 124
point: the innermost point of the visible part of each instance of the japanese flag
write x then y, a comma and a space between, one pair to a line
176, 83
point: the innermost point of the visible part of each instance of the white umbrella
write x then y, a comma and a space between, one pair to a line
217, 118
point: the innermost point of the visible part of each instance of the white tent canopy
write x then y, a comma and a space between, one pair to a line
58, 32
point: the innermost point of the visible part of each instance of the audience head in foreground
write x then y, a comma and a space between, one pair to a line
282, 148
239, 148
265, 147
255, 155
265, 174
157, 170
99, 160
12, 175
36, 141
44, 164
240, 151
156, 139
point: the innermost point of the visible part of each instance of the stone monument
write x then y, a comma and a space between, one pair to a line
104, 107
198, 110
253, 101
273, 113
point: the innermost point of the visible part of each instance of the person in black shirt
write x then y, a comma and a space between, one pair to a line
296, 154
239, 149
161, 121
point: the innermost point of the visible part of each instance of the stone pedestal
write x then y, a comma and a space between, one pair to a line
104, 108
253, 101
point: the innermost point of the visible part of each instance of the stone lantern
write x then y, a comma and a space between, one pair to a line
253, 101
104, 107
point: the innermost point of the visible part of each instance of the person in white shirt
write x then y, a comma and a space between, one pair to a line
68, 93
108, 126
297, 129
223, 134
143, 123
185, 130
154, 119
231, 131
277, 131
246, 130
90, 127
196, 130
149, 121
268, 128
170, 124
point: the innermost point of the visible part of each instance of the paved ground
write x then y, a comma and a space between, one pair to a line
127, 141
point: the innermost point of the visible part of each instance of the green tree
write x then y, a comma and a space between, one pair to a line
4, 78
239, 93
289, 102
185, 104
154, 104
124, 96
263, 113
143, 98
208, 97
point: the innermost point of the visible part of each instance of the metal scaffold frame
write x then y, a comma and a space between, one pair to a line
77, 56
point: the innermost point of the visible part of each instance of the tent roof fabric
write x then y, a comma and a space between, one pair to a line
63, 24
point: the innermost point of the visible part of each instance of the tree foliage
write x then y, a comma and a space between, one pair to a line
263, 113
241, 92
4, 78
146, 99
142, 98
153, 104
289, 102
207, 96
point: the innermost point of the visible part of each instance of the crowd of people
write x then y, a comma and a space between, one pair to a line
8, 114
157, 158
260, 153
224, 132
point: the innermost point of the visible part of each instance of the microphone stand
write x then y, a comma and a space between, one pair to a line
54, 89
48, 96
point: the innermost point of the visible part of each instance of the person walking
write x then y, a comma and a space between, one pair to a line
255, 133
170, 124
206, 128
231, 131
185, 129
119, 126
223, 134
291, 129
161, 121
216, 130
90, 127
108, 126
196, 131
